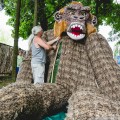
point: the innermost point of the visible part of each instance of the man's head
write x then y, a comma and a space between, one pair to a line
37, 30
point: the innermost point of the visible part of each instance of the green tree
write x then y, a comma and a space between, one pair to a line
26, 21
35, 12
105, 10
15, 49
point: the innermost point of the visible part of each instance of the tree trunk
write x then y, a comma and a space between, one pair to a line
42, 15
15, 49
98, 3
35, 12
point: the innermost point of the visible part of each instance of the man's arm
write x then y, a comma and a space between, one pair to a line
53, 41
43, 44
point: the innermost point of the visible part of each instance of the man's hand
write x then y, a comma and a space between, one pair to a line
54, 47
58, 38
54, 41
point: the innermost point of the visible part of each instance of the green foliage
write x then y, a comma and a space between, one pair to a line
105, 10
113, 18
26, 20
51, 7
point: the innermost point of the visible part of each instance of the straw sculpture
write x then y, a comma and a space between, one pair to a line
5, 59
87, 80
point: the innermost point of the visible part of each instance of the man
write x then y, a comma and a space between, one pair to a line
39, 47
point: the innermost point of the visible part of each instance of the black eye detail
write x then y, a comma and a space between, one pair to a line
75, 17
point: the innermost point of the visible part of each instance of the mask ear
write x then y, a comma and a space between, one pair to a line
58, 16
94, 20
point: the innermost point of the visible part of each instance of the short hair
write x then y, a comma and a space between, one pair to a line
36, 29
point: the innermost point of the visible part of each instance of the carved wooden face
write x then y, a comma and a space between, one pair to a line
75, 16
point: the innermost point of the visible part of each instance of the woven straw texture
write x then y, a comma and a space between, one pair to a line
87, 78
25, 73
5, 59
87, 104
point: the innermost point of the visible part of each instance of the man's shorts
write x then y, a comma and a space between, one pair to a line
38, 71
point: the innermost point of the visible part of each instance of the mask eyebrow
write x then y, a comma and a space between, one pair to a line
70, 8
73, 9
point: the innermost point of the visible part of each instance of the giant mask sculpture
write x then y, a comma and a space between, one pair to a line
74, 17
88, 78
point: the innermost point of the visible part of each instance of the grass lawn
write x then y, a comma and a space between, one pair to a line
5, 80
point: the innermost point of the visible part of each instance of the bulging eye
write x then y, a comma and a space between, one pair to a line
83, 13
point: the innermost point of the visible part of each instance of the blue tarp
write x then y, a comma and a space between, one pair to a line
118, 59
59, 116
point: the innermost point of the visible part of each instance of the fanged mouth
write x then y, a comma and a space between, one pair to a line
75, 31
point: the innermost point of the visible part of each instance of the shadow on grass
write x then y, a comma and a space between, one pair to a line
5, 80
